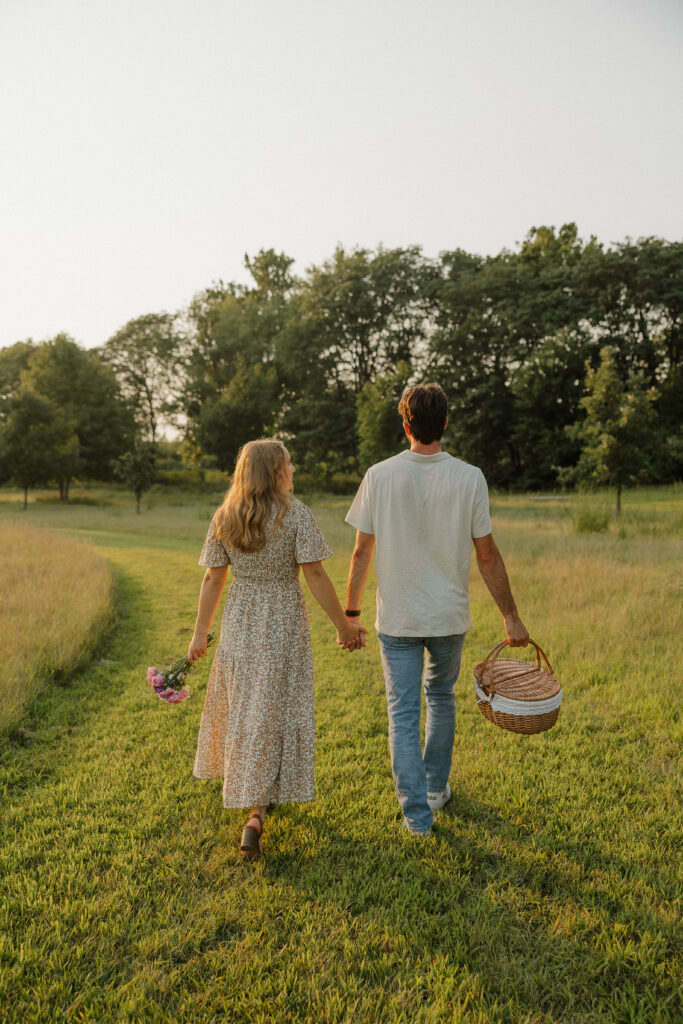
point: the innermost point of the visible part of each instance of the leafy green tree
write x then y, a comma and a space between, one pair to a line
547, 389
502, 328
241, 413
633, 298
617, 433
508, 336
136, 468
87, 395
669, 408
380, 428
230, 324
13, 361
232, 387
146, 357
368, 310
477, 349
37, 443
320, 432
352, 318
316, 408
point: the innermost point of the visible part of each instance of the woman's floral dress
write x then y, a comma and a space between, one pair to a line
257, 729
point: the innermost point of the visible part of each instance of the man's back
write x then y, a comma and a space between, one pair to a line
424, 511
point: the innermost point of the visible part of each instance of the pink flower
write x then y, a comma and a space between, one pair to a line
159, 679
176, 696
151, 672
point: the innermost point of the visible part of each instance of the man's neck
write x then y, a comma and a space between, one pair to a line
425, 449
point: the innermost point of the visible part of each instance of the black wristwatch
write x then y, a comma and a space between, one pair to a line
352, 614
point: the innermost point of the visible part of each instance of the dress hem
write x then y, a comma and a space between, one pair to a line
259, 802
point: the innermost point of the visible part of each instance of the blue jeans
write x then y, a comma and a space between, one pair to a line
414, 772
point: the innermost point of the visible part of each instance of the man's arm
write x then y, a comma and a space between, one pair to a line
358, 570
493, 572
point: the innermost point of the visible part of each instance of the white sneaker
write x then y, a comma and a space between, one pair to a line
438, 800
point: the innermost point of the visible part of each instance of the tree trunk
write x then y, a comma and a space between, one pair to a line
61, 488
138, 495
618, 501
25, 498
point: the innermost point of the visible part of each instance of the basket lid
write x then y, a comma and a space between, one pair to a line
515, 679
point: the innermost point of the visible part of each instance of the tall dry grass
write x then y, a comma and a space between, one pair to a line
57, 599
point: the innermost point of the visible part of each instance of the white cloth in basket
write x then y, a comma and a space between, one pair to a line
518, 707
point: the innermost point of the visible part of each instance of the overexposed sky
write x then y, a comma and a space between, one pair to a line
146, 145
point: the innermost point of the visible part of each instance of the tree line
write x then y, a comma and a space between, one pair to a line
561, 360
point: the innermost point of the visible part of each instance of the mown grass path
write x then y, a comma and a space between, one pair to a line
552, 893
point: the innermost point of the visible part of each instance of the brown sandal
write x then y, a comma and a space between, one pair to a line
251, 846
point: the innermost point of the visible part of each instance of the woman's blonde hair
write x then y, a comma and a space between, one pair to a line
256, 489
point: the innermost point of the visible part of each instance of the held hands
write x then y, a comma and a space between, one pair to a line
352, 635
197, 648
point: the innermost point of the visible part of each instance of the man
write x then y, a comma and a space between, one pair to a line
421, 510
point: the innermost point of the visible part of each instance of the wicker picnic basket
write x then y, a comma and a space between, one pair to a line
515, 695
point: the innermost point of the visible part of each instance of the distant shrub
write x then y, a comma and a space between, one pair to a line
336, 483
587, 519
193, 479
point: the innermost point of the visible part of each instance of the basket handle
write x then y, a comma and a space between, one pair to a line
493, 654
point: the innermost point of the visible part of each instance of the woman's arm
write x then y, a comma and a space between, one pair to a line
349, 632
209, 596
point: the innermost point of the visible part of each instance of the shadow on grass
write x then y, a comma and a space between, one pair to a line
549, 941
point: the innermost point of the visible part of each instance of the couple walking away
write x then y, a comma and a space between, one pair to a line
419, 511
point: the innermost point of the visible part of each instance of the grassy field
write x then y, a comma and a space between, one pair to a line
57, 602
551, 893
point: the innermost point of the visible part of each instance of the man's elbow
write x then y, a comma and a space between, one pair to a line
485, 562
362, 553
487, 555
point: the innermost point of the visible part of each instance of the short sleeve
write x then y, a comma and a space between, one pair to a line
311, 545
360, 513
481, 519
213, 553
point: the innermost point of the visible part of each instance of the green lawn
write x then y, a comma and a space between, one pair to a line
553, 889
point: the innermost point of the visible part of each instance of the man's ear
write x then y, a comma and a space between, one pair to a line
407, 430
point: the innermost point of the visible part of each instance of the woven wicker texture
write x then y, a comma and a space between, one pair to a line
511, 681
529, 725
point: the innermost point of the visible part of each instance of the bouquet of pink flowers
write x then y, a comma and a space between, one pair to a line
164, 682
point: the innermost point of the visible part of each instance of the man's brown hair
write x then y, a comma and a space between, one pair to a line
424, 408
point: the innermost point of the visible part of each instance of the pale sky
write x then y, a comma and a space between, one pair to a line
146, 145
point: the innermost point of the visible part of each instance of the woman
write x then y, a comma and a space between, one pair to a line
257, 728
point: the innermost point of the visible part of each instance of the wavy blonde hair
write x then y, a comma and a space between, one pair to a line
257, 488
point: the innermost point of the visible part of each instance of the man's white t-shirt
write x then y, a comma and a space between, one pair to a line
424, 511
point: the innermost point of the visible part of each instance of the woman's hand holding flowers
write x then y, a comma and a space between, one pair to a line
197, 648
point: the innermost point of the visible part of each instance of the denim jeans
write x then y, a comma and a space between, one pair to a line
414, 772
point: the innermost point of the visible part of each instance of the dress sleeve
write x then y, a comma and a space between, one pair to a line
310, 546
213, 553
